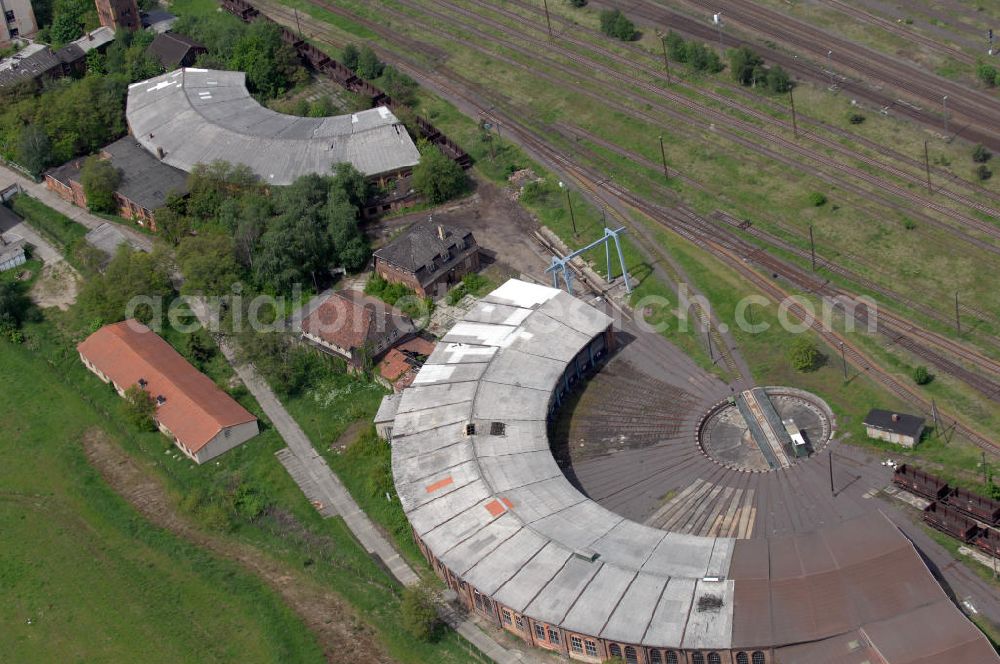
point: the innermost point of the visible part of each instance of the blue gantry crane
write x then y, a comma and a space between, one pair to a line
560, 264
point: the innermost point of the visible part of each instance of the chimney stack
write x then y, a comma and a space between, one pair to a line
895, 417
440, 231
159, 152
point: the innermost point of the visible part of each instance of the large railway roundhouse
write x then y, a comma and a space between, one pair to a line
196, 116
521, 546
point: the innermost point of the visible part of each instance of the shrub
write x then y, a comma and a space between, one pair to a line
419, 612
804, 355
578, 3
140, 408
921, 376
615, 24
983, 172
816, 199
980, 154
909, 224
988, 74
855, 118
349, 57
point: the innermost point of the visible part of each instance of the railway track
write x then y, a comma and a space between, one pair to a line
699, 113
967, 106
610, 193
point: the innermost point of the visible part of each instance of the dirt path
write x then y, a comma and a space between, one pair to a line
342, 635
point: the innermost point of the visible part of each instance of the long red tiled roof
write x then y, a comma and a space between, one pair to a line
194, 410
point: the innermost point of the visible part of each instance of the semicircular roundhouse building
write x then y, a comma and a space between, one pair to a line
197, 116
520, 545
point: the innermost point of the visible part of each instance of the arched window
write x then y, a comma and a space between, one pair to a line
697, 658
758, 657
741, 658
615, 650
654, 657
672, 657
713, 658
630, 656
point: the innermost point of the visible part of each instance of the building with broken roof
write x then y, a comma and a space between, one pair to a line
173, 50
356, 327
146, 182
428, 257
37, 62
522, 547
201, 419
197, 116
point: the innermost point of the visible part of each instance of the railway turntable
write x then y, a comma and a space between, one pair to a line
551, 470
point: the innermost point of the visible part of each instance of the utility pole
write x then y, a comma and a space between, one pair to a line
958, 320
812, 246
547, 21
843, 359
829, 64
927, 165
795, 125
832, 491
666, 62
663, 156
718, 23
297, 24
944, 102
708, 335
572, 216
986, 475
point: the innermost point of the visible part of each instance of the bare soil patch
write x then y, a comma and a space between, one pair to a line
57, 286
344, 637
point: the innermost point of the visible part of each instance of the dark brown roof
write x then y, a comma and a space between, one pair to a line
422, 251
171, 48
349, 319
194, 410
901, 423
30, 67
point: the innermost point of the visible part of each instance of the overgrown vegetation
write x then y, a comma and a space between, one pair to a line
804, 355
748, 69
471, 284
419, 611
921, 376
438, 178
988, 74
100, 180
693, 53
615, 24
400, 296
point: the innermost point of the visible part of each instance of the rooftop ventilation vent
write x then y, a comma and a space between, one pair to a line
498, 428
470, 429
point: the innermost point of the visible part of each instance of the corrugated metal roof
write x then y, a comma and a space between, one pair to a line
498, 511
200, 116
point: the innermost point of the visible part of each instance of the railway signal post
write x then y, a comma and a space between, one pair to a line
547, 21
927, 165
663, 42
663, 156
795, 125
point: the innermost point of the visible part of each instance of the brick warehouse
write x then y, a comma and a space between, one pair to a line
521, 546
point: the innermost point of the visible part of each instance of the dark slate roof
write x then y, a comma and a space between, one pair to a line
145, 179
29, 67
421, 250
70, 53
170, 48
906, 425
68, 172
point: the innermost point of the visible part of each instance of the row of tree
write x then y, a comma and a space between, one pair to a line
693, 53
748, 69
363, 62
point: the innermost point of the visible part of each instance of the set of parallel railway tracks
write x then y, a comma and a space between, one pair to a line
737, 254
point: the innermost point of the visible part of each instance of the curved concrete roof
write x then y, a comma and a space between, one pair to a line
498, 511
201, 115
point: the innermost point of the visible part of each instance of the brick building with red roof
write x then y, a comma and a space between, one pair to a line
202, 420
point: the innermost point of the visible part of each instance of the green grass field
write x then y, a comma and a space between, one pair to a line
85, 578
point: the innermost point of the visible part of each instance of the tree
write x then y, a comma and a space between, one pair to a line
804, 354
399, 86
271, 65
981, 155
349, 183
676, 47
369, 66
419, 612
34, 151
171, 225
701, 57
742, 63
208, 263
983, 172
817, 199
349, 56
199, 348
14, 305
436, 177
140, 408
988, 74
130, 274
615, 24
778, 80
921, 376
100, 180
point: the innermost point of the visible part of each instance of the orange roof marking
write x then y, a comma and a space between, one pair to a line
495, 508
506, 501
440, 484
